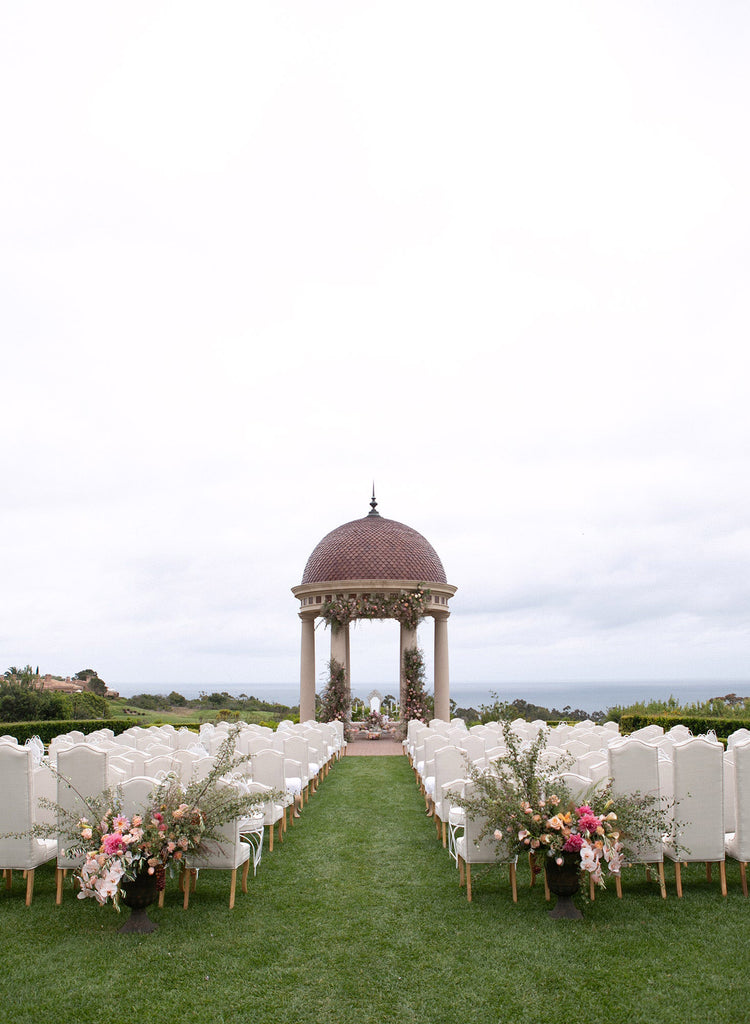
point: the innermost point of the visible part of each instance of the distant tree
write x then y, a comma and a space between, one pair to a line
216, 700
25, 677
91, 681
176, 699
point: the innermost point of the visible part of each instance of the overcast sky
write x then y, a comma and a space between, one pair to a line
493, 256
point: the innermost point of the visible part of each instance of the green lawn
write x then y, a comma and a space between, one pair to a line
358, 917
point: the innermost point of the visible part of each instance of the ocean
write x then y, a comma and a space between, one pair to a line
589, 696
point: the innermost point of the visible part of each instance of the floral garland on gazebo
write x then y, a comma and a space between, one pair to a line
415, 697
334, 702
408, 608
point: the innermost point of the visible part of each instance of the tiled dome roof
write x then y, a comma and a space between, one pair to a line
374, 548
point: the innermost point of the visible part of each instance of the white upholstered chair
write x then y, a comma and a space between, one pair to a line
83, 772
450, 763
18, 814
471, 850
634, 768
694, 778
737, 843
228, 853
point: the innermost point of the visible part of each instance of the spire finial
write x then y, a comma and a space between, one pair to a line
373, 504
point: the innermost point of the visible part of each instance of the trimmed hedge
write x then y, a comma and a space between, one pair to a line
48, 729
697, 724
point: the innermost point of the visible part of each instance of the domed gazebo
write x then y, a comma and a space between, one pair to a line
369, 560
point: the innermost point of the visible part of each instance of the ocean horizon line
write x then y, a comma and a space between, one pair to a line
588, 696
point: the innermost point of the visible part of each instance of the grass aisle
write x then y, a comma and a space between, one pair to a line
358, 917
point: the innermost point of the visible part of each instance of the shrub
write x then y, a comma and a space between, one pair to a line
47, 730
697, 724
20, 704
89, 705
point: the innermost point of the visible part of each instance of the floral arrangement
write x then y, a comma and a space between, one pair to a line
415, 698
409, 608
116, 847
528, 809
175, 822
557, 830
374, 720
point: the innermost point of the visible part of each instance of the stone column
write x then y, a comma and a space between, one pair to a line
442, 686
408, 640
347, 666
307, 669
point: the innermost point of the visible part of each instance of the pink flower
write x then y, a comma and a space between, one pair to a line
112, 843
573, 844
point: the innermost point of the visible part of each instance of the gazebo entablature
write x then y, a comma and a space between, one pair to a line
314, 596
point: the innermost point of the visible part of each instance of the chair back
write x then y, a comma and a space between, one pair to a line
742, 801
696, 783
634, 768
16, 802
268, 768
83, 773
136, 792
18, 811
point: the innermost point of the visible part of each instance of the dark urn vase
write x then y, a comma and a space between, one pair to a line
138, 893
564, 881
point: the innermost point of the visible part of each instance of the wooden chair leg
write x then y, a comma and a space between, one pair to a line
723, 877
592, 888
29, 886
468, 881
8, 878
270, 839
460, 871
662, 882
743, 878
232, 888
437, 826
445, 835
618, 886
59, 881
245, 870
161, 896
185, 889
678, 879
513, 886
648, 872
